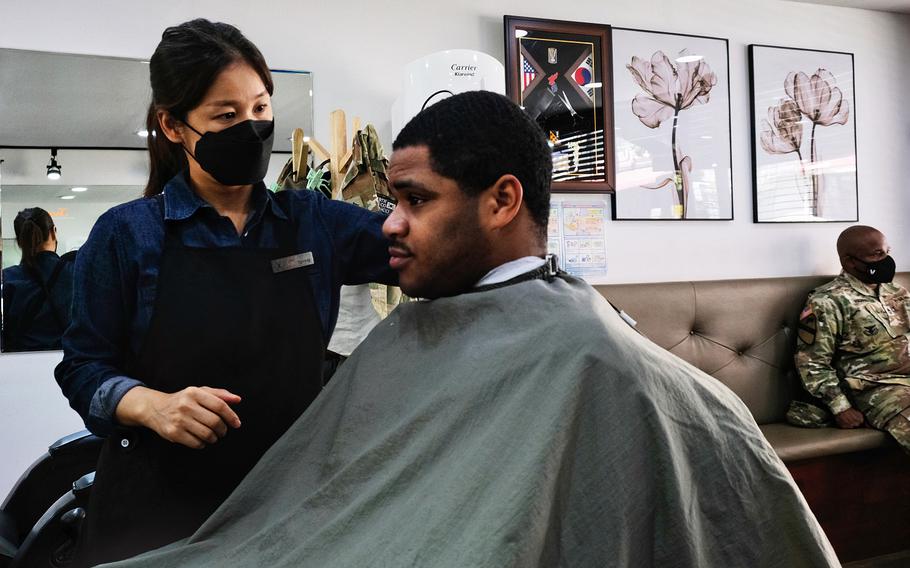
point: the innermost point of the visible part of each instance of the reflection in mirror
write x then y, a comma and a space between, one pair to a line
90, 110
37, 295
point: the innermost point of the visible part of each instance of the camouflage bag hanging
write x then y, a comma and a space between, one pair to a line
366, 184
303, 176
294, 173
290, 179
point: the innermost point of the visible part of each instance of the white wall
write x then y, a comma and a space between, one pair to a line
357, 48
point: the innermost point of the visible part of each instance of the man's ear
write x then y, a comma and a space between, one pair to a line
848, 263
170, 127
501, 202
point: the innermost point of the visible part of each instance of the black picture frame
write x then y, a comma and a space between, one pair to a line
819, 182
558, 72
650, 184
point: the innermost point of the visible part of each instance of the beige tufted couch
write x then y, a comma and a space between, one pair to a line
742, 332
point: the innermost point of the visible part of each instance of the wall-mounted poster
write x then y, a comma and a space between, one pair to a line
803, 135
577, 235
672, 113
558, 72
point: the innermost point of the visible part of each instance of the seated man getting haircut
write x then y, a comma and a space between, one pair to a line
511, 418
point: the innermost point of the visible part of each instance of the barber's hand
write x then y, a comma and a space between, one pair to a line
850, 418
194, 417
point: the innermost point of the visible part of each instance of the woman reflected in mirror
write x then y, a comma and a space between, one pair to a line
37, 292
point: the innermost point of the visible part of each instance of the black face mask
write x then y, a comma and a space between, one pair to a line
238, 155
878, 272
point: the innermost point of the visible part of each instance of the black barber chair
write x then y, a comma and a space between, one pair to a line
41, 517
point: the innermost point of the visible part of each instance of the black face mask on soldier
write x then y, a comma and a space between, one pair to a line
878, 272
238, 155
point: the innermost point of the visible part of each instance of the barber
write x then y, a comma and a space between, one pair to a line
202, 311
37, 292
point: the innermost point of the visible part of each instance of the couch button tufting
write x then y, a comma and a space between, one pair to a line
692, 332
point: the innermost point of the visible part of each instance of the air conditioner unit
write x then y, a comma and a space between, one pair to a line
442, 74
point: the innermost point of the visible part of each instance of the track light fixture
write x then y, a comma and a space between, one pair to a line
54, 169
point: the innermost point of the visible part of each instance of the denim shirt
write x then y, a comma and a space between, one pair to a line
117, 269
21, 291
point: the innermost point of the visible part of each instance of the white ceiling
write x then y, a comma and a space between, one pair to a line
80, 167
883, 5
77, 101
20, 196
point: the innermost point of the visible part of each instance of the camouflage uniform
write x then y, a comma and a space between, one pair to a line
366, 184
853, 351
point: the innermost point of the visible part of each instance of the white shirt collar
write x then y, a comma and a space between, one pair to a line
510, 270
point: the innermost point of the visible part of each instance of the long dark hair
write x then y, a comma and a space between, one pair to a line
33, 226
183, 67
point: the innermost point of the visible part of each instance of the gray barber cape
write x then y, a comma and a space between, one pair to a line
519, 426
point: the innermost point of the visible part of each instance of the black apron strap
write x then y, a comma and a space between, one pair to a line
45, 295
48, 291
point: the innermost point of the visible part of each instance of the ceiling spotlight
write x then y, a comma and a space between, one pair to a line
67, 197
53, 168
79, 189
142, 133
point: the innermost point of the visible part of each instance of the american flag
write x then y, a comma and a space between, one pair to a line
527, 74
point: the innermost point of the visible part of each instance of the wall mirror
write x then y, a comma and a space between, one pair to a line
86, 115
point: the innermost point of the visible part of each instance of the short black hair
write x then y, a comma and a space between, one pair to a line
477, 137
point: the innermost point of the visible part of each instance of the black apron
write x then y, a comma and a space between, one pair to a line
222, 319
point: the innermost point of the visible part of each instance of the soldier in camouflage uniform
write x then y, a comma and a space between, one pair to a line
854, 334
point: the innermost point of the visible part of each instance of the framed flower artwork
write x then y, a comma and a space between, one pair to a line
672, 117
803, 135
558, 72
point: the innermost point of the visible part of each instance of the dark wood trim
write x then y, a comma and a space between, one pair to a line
600, 32
861, 500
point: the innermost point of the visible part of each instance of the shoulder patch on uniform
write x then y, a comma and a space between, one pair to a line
807, 327
806, 313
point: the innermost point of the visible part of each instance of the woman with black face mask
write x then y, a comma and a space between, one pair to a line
38, 292
202, 311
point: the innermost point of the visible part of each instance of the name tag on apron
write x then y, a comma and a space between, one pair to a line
292, 262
